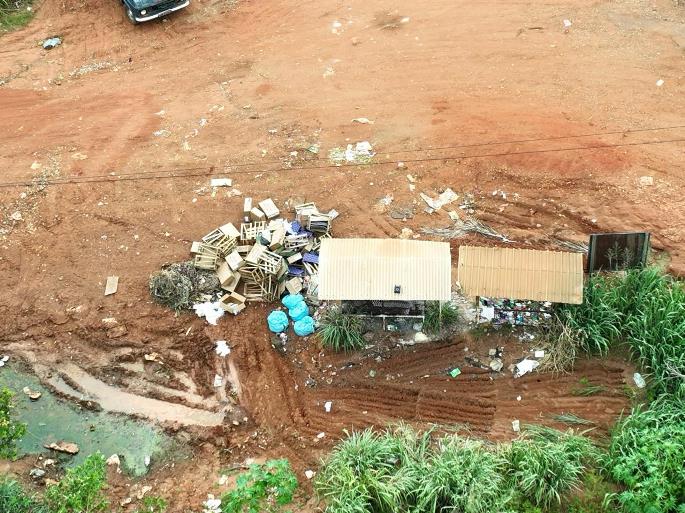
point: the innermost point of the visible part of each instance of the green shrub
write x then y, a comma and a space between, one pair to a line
545, 464
341, 332
11, 431
14, 14
262, 488
80, 490
647, 455
439, 316
13, 499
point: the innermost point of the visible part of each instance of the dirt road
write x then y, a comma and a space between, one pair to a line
479, 97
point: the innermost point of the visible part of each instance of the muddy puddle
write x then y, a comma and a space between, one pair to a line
51, 419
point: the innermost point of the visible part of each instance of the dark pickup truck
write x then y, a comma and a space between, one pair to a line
146, 10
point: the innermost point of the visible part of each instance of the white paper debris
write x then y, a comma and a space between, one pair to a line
147, 461
114, 460
524, 367
223, 479
218, 381
487, 312
444, 198
320, 435
309, 474
211, 505
363, 121
210, 311
516, 425
567, 24
221, 182
639, 380
518, 397
659, 83
3, 360
327, 406
222, 348
539, 353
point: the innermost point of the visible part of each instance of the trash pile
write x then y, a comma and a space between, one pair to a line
263, 259
298, 312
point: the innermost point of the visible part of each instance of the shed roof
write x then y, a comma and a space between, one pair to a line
521, 274
370, 269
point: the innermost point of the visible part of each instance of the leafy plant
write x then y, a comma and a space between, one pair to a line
13, 499
592, 498
11, 431
262, 488
152, 504
14, 14
80, 490
439, 316
341, 332
647, 455
546, 464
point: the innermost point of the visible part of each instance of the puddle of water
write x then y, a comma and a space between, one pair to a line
51, 419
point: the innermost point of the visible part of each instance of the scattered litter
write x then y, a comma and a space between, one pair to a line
52, 42
211, 311
32, 394
516, 425
309, 474
463, 228
524, 367
218, 381
111, 285
220, 182
151, 357
114, 460
141, 493
223, 479
37, 473
518, 397
406, 233
222, 348
454, 215
161, 133
327, 406
363, 121
646, 180
16, 216
65, 447
385, 201
455, 372
639, 380
79, 156
421, 337
444, 198
35, 166
321, 435
336, 26
659, 83
402, 213
567, 25
496, 364
211, 505
360, 153
3, 360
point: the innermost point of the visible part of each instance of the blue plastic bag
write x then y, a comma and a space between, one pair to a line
299, 311
304, 326
291, 300
278, 321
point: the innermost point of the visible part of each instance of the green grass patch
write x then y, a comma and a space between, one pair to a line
340, 332
14, 14
80, 490
13, 499
262, 488
11, 431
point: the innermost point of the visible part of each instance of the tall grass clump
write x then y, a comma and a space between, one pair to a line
400, 470
643, 308
340, 331
546, 464
11, 430
440, 316
647, 456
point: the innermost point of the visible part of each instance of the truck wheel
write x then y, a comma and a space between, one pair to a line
130, 16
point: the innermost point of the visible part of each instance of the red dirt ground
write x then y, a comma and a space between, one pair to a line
449, 91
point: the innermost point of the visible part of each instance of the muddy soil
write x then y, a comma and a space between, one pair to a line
108, 142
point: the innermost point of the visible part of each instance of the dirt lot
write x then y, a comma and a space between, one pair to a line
479, 97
